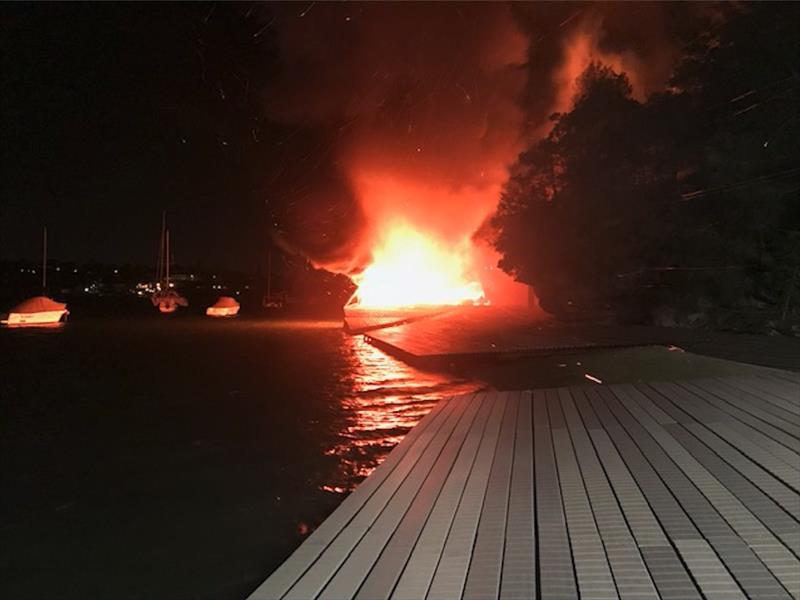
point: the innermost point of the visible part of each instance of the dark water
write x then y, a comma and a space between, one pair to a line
184, 458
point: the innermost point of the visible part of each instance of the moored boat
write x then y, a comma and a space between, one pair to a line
39, 310
224, 307
166, 298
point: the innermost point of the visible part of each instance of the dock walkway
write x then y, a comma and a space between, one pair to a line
686, 489
487, 332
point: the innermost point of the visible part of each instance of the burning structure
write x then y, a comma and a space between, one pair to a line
410, 124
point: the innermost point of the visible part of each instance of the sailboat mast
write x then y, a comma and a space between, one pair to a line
161, 251
269, 276
167, 261
44, 260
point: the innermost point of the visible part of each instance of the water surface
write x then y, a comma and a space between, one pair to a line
185, 457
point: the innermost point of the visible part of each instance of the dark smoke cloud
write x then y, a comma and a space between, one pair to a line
418, 108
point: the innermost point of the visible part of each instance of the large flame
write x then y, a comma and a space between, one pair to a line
410, 268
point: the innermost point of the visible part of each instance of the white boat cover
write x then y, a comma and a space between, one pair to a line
38, 304
225, 302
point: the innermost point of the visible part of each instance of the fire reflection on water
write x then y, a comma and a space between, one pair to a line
388, 398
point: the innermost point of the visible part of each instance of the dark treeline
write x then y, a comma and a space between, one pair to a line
682, 209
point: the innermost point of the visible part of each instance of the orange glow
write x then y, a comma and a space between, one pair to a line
387, 399
410, 268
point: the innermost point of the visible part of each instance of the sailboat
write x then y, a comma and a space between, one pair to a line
40, 310
165, 297
270, 301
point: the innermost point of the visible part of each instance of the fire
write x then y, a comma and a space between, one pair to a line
410, 268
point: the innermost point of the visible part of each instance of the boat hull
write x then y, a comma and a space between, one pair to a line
34, 319
167, 307
226, 311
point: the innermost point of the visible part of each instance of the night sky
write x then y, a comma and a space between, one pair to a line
111, 112
249, 122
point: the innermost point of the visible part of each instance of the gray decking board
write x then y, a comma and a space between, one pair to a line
771, 394
451, 569
518, 579
730, 443
764, 411
779, 387
763, 432
296, 565
671, 490
631, 576
418, 574
739, 565
387, 569
483, 577
349, 576
551, 524
774, 456
326, 565
787, 376
762, 541
589, 554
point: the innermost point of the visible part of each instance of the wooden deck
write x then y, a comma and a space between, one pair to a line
686, 489
479, 332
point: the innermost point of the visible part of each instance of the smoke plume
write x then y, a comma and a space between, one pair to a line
413, 112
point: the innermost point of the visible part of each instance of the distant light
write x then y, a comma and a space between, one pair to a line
74, 270
592, 378
116, 271
58, 268
33, 271
22, 270
86, 290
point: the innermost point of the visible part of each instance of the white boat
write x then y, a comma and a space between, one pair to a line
39, 311
224, 307
165, 297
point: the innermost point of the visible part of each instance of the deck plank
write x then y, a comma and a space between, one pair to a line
770, 454
451, 570
384, 574
589, 554
666, 568
743, 571
788, 389
317, 576
763, 433
767, 390
776, 417
672, 490
778, 558
786, 376
293, 568
359, 562
418, 572
776, 517
519, 561
557, 561
631, 576
483, 576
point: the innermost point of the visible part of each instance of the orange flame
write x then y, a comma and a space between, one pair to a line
410, 268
